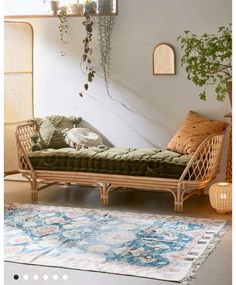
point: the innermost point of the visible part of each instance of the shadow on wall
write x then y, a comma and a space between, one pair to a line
129, 117
137, 116
124, 97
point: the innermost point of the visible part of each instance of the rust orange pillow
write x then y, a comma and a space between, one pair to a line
194, 129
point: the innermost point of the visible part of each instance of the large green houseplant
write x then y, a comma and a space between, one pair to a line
208, 60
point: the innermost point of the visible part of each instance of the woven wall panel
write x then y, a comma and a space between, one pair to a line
18, 85
18, 97
18, 46
10, 161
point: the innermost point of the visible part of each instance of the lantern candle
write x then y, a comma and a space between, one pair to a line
220, 195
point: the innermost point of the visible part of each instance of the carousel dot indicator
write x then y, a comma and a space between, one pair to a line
35, 277
55, 277
16, 277
65, 277
26, 277
45, 277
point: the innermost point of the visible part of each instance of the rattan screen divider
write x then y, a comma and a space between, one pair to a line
18, 86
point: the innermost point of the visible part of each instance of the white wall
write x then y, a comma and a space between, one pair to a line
155, 105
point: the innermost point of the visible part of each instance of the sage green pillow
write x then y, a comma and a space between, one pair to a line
50, 130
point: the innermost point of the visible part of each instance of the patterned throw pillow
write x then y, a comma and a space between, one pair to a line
81, 137
50, 130
194, 129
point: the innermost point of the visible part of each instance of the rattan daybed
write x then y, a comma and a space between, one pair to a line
200, 169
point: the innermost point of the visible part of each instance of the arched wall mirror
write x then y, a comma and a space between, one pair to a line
163, 59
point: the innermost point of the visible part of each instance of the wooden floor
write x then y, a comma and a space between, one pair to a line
136, 201
131, 200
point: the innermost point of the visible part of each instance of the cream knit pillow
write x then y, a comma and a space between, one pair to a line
194, 129
81, 137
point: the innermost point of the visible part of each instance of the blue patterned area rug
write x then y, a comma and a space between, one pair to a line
146, 245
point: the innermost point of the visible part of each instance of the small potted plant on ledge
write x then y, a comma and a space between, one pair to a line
90, 7
74, 7
55, 7
208, 60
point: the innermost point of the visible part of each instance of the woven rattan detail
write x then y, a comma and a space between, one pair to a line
200, 170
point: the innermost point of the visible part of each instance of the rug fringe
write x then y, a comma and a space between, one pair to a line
202, 258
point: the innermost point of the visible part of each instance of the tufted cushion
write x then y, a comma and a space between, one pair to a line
50, 130
194, 129
81, 137
151, 162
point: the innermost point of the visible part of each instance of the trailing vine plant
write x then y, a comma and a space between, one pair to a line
86, 57
105, 28
63, 26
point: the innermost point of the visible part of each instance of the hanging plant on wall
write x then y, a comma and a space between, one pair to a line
105, 28
63, 26
86, 57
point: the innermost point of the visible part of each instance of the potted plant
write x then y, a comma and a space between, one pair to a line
74, 7
90, 7
105, 24
63, 26
86, 57
54, 7
105, 7
105, 28
208, 60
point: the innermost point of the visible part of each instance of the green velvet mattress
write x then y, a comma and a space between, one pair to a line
151, 162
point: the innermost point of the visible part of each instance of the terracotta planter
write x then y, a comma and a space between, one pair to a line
54, 7
74, 9
81, 9
229, 90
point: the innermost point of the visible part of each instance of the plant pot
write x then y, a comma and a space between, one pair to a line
229, 90
105, 7
54, 7
74, 9
81, 9
90, 8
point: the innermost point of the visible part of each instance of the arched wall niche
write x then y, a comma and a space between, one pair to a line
163, 59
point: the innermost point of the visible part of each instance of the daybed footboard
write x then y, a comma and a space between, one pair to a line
201, 169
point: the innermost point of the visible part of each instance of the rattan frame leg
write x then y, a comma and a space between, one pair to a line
104, 191
34, 190
178, 204
179, 207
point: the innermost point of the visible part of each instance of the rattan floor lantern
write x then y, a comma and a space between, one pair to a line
221, 197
